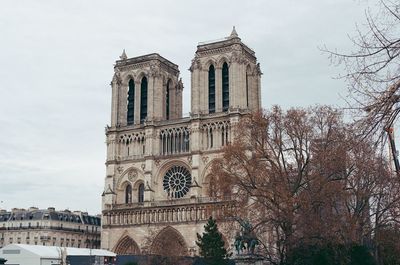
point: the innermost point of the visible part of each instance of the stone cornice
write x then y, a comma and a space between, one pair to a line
224, 46
147, 61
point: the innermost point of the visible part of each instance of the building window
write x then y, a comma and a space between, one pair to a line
131, 102
225, 87
141, 193
211, 89
128, 194
167, 101
143, 100
177, 181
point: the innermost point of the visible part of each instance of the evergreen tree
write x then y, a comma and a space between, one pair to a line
211, 244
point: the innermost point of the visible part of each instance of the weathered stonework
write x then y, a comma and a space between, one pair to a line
157, 192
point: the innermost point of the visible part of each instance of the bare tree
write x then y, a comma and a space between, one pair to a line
373, 69
303, 178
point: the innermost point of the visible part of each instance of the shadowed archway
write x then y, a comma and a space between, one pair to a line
127, 246
169, 242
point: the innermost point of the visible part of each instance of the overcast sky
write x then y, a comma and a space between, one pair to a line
56, 64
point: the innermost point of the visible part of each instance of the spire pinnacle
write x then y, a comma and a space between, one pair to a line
123, 55
233, 33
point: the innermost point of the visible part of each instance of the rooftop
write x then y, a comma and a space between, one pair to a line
124, 60
49, 214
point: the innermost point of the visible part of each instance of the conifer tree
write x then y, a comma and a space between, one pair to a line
211, 244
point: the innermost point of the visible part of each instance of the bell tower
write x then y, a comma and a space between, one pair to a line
159, 188
145, 89
225, 76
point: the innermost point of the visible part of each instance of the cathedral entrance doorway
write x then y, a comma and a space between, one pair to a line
127, 246
169, 242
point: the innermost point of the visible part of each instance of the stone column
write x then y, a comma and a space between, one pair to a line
233, 84
114, 103
151, 86
158, 98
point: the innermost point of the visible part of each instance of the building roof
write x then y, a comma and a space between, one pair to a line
55, 252
49, 214
125, 61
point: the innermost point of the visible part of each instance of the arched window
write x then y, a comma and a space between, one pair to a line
225, 87
211, 89
128, 194
143, 100
131, 102
167, 101
141, 193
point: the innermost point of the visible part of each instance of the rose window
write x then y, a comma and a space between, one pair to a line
177, 181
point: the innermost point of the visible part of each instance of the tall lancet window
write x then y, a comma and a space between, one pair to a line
141, 193
225, 87
143, 100
167, 101
211, 89
128, 194
131, 102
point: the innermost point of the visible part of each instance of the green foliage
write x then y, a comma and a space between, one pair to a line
211, 244
330, 255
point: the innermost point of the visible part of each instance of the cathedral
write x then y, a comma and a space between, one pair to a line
158, 192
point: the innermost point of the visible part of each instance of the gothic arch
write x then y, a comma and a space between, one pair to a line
209, 188
249, 70
127, 77
223, 59
206, 171
158, 180
127, 246
125, 176
169, 78
137, 189
173, 239
140, 75
208, 63
163, 168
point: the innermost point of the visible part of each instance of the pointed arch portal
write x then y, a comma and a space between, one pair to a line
127, 246
173, 239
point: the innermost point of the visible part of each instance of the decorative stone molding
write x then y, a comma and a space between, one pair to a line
132, 174
120, 169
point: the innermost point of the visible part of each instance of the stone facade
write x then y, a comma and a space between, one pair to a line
49, 228
158, 193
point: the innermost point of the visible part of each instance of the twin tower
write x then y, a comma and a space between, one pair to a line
224, 76
158, 188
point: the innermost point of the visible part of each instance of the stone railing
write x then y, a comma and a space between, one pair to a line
168, 202
191, 210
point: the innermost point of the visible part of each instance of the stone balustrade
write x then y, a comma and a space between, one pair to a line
186, 210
